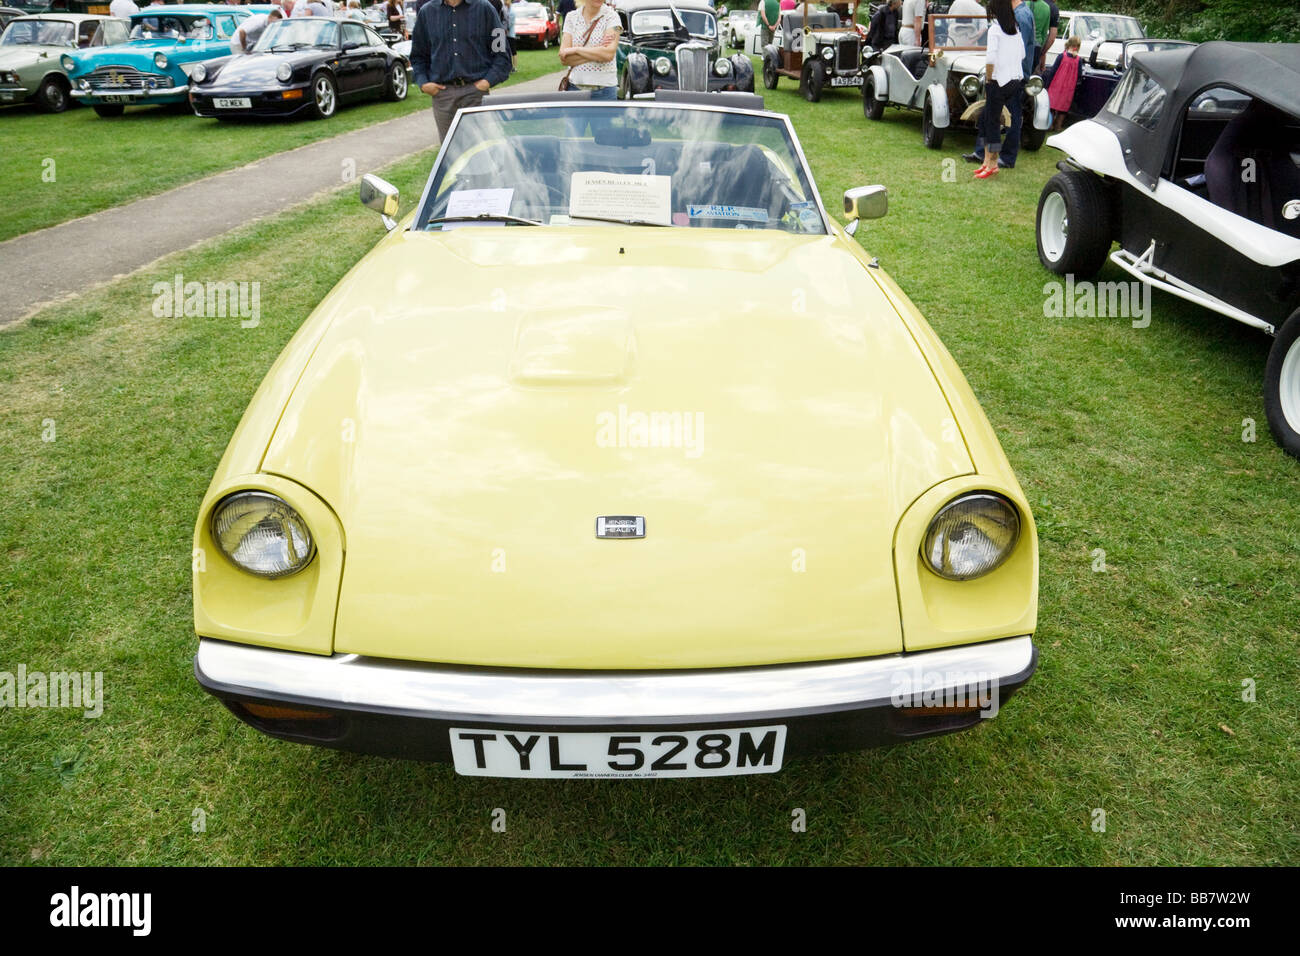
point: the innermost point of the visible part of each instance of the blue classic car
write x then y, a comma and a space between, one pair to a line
154, 65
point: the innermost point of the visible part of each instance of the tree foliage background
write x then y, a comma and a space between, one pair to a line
1270, 21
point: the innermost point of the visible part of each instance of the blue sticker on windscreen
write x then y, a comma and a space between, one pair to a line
747, 213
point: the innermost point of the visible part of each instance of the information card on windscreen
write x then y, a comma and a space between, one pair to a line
595, 195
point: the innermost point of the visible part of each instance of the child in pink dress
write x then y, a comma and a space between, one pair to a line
1065, 76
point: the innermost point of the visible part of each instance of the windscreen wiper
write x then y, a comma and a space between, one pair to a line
484, 217
625, 222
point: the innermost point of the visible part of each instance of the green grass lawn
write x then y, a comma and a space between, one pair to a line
98, 163
1126, 440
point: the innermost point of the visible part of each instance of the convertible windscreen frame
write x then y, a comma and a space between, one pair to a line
426, 206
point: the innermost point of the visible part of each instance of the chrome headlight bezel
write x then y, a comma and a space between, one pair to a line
971, 85
1034, 85
160, 60
284, 72
959, 522
828, 53
68, 63
300, 544
198, 73
722, 66
663, 66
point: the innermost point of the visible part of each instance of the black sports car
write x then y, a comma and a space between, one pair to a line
309, 64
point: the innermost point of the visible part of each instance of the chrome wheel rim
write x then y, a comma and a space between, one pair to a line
1288, 387
399, 81
324, 96
1054, 226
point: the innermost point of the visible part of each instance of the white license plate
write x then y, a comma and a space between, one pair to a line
232, 102
116, 98
846, 81
478, 752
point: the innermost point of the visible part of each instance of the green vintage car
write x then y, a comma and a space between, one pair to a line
675, 46
31, 49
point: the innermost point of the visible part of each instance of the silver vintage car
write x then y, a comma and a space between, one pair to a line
31, 51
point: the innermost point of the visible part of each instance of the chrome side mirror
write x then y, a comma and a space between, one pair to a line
382, 197
864, 202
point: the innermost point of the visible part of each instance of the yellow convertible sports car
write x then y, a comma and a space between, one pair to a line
617, 458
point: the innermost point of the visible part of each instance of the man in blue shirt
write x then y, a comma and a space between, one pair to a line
1011, 139
459, 51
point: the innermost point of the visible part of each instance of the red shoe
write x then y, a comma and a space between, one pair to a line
986, 172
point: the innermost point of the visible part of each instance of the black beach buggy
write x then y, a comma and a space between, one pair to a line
1193, 167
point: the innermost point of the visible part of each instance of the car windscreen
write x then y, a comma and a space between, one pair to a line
697, 22
1138, 98
577, 165
193, 28
39, 33
529, 11
298, 35
961, 32
1087, 27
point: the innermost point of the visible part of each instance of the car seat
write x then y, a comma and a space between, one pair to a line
1252, 141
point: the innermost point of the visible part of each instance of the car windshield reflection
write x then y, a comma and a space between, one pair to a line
298, 34
192, 28
39, 33
655, 166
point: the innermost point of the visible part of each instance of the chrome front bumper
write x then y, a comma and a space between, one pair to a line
404, 709
133, 94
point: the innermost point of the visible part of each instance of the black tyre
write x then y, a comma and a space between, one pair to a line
1032, 138
812, 79
932, 135
396, 85
1073, 225
1282, 386
109, 110
770, 76
324, 93
872, 108
53, 95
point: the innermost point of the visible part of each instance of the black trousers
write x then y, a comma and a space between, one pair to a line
997, 96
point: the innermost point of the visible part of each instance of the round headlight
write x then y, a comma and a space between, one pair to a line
722, 67
261, 534
970, 86
160, 60
67, 62
283, 72
1034, 85
663, 65
971, 536
198, 73
828, 54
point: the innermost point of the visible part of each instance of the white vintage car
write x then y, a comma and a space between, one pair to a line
946, 83
1091, 29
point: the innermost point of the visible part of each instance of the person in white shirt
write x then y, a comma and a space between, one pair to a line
251, 30
1004, 76
909, 33
310, 8
122, 8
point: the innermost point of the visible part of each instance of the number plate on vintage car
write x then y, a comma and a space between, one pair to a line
232, 102
479, 752
116, 98
846, 81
